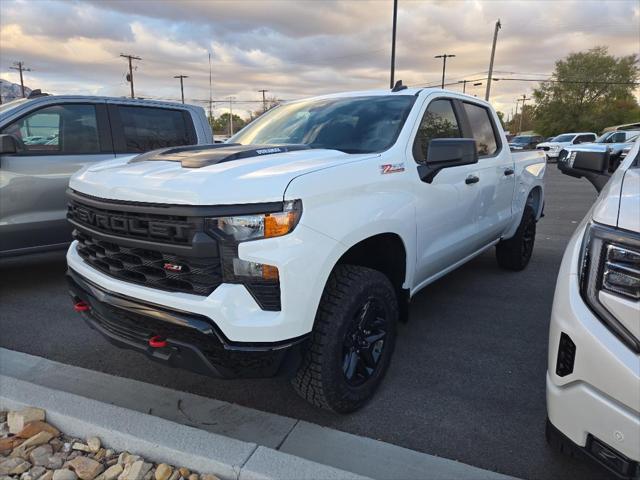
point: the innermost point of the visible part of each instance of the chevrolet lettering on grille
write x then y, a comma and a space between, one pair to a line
133, 226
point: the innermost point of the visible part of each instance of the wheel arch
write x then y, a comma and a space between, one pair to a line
534, 199
387, 253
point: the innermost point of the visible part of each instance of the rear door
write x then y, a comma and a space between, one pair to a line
138, 129
58, 140
492, 210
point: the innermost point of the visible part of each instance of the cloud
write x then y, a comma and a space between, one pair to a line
298, 48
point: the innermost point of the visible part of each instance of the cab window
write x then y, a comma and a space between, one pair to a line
439, 121
481, 129
59, 129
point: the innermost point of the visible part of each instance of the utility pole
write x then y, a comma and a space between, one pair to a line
231, 116
493, 53
0, 92
130, 76
210, 95
181, 77
464, 84
444, 57
523, 100
264, 100
21, 68
393, 44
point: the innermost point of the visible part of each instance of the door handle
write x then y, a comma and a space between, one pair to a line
508, 171
471, 179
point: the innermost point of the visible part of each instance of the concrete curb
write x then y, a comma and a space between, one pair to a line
160, 440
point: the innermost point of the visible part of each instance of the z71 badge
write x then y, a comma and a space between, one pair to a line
391, 168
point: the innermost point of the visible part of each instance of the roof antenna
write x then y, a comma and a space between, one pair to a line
398, 86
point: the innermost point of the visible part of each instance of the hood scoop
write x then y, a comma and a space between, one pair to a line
198, 156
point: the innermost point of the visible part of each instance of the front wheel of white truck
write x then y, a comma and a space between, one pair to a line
352, 341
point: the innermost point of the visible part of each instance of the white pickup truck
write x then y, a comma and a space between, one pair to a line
303, 238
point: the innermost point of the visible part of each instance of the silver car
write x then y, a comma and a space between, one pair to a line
44, 140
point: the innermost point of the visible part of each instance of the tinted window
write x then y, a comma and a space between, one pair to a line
60, 129
482, 129
585, 138
352, 124
148, 128
439, 121
617, 137
563, 138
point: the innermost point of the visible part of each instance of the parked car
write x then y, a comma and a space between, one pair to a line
593, 377
553, 147
612, 142
47, 138
525, 142
303, 237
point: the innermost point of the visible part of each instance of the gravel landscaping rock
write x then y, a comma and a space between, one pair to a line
32, 449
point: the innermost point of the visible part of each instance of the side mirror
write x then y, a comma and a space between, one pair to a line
447, 153
9, 144
594, 166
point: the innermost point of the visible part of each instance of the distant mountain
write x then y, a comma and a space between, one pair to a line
10, 91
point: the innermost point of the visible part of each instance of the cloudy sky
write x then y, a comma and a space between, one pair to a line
299, 48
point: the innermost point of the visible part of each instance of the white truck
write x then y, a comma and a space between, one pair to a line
593, 377
303, 239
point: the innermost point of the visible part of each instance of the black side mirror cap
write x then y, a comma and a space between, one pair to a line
594, 166
9, 144
447, 153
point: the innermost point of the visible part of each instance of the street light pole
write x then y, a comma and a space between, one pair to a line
231, 116
181, 77
444, 57
493, 53
393, 43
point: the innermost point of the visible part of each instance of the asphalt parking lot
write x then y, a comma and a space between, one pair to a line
467, 381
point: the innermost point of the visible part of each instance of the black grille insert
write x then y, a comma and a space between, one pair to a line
151, 268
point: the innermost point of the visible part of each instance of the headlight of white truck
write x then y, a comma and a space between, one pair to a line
610, 261
233, 230
253, 227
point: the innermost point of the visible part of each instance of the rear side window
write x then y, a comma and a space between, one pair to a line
584, 138
58, 130
439, 121
482, 129
149, 128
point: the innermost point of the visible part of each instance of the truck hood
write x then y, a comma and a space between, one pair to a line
247, 180
553, 144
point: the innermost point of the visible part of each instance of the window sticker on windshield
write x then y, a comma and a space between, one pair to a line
391, 168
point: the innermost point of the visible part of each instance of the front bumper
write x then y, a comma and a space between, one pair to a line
193, 342
593, 387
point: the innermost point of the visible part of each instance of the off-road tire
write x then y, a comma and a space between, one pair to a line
321, 378
515, 253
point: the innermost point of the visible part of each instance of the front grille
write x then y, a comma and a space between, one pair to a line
171, 229
151, 268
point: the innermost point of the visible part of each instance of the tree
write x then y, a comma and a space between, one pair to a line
501, 117
592, 90
528, 121
221, 124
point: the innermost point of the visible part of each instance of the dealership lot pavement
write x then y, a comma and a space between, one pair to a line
466, 382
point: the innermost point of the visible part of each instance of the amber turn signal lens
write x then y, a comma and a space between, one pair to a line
269, 272
278, 224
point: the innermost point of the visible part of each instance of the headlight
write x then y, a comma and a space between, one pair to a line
253, 227
610, 261
262, 280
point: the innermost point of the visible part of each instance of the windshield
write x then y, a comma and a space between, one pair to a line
12, 104
352, 125
563, 138
520, 139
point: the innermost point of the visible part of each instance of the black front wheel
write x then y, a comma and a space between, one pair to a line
352, 340
515, 253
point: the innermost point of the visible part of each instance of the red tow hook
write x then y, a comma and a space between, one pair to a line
157, 342
81, 306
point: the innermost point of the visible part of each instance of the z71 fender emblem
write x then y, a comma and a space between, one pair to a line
391, 168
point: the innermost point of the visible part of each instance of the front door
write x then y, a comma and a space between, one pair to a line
57, 141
